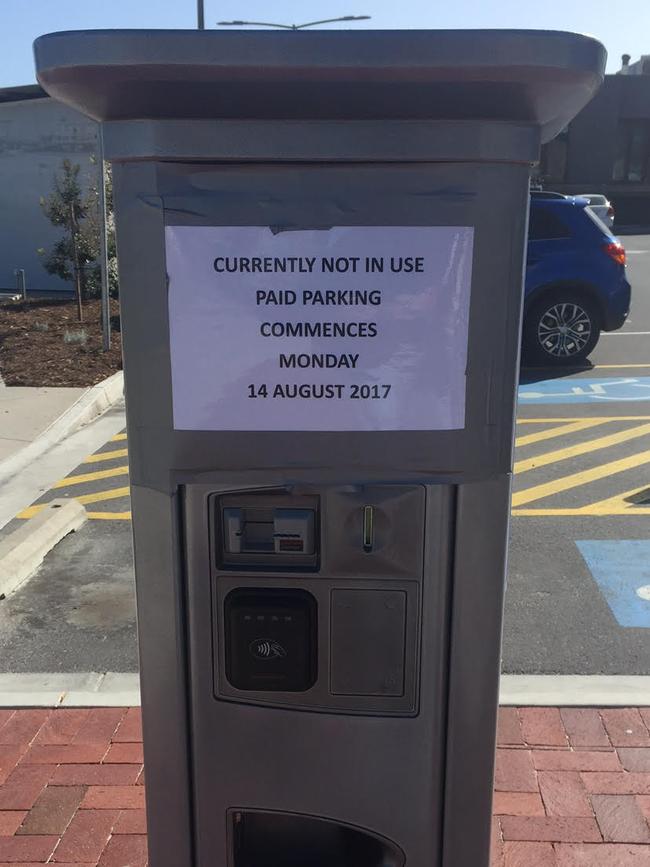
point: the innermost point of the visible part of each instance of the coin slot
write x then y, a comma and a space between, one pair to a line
368, 528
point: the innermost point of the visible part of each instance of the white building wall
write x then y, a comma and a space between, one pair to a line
35, 137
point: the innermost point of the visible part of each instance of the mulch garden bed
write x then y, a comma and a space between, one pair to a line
42, 343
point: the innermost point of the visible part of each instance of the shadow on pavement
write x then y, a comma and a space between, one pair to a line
536, 374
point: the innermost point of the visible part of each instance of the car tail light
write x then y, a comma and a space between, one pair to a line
611, 211
616, 251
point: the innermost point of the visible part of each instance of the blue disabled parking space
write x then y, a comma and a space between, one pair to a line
621, 569
585, 390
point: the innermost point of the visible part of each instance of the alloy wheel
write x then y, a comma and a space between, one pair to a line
564, 330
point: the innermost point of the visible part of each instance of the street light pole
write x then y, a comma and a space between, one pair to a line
292, 26
200, 15
103, 248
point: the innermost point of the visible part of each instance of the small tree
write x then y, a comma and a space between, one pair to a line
68, 208
75, 256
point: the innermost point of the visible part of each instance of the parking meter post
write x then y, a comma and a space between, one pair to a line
321, 249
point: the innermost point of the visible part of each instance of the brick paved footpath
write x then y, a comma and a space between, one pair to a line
572, 788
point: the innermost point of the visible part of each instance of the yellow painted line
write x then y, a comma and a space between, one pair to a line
109, 516
620, 504
30, 511
575, 480
552, 432
577, 370
583, 448
100, 496
615, 506
118, 438
91, 477
594, 418
86, 499
106, 456
581, 511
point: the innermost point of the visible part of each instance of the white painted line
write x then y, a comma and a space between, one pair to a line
122, 689
22, 552
567, 690
624, 333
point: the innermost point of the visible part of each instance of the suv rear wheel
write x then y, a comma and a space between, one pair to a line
561, 327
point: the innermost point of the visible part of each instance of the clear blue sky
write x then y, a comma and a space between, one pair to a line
623, 27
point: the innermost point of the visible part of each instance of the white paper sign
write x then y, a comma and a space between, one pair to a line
351, 328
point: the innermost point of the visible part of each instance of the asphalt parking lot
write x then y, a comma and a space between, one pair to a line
578, 599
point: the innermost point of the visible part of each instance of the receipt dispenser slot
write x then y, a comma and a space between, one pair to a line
268, 531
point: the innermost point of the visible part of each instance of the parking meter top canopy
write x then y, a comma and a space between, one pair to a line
540, 77
326, 231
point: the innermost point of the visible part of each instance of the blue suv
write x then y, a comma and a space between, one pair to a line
576, 284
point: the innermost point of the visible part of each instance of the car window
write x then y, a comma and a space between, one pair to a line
595, 200
545, 226
596, 219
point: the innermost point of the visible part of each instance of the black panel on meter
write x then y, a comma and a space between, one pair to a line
270, 531
271, 639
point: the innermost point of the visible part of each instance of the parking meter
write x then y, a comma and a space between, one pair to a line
321, 240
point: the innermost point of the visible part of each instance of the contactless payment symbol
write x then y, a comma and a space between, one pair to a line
262, 648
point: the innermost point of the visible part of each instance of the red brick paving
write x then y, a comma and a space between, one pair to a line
86, 836
635, 758
572, 788
126, 754
99, 726
625, 727
543, 726
62, 726
564, 794
10, 821
621, 819
576, 760
130, 729
52, 812
510, 733
10, 755
584, 728
22, 728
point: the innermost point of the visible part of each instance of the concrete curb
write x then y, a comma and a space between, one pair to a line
22, 551
574, 690
39, 475
76, 689
91, 404
122, 689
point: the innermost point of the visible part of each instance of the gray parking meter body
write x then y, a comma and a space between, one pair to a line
321, 241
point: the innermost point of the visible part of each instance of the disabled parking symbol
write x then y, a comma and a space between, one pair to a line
621, 569
585, 390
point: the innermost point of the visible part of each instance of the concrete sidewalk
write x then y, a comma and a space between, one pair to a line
26, 412
572, 788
